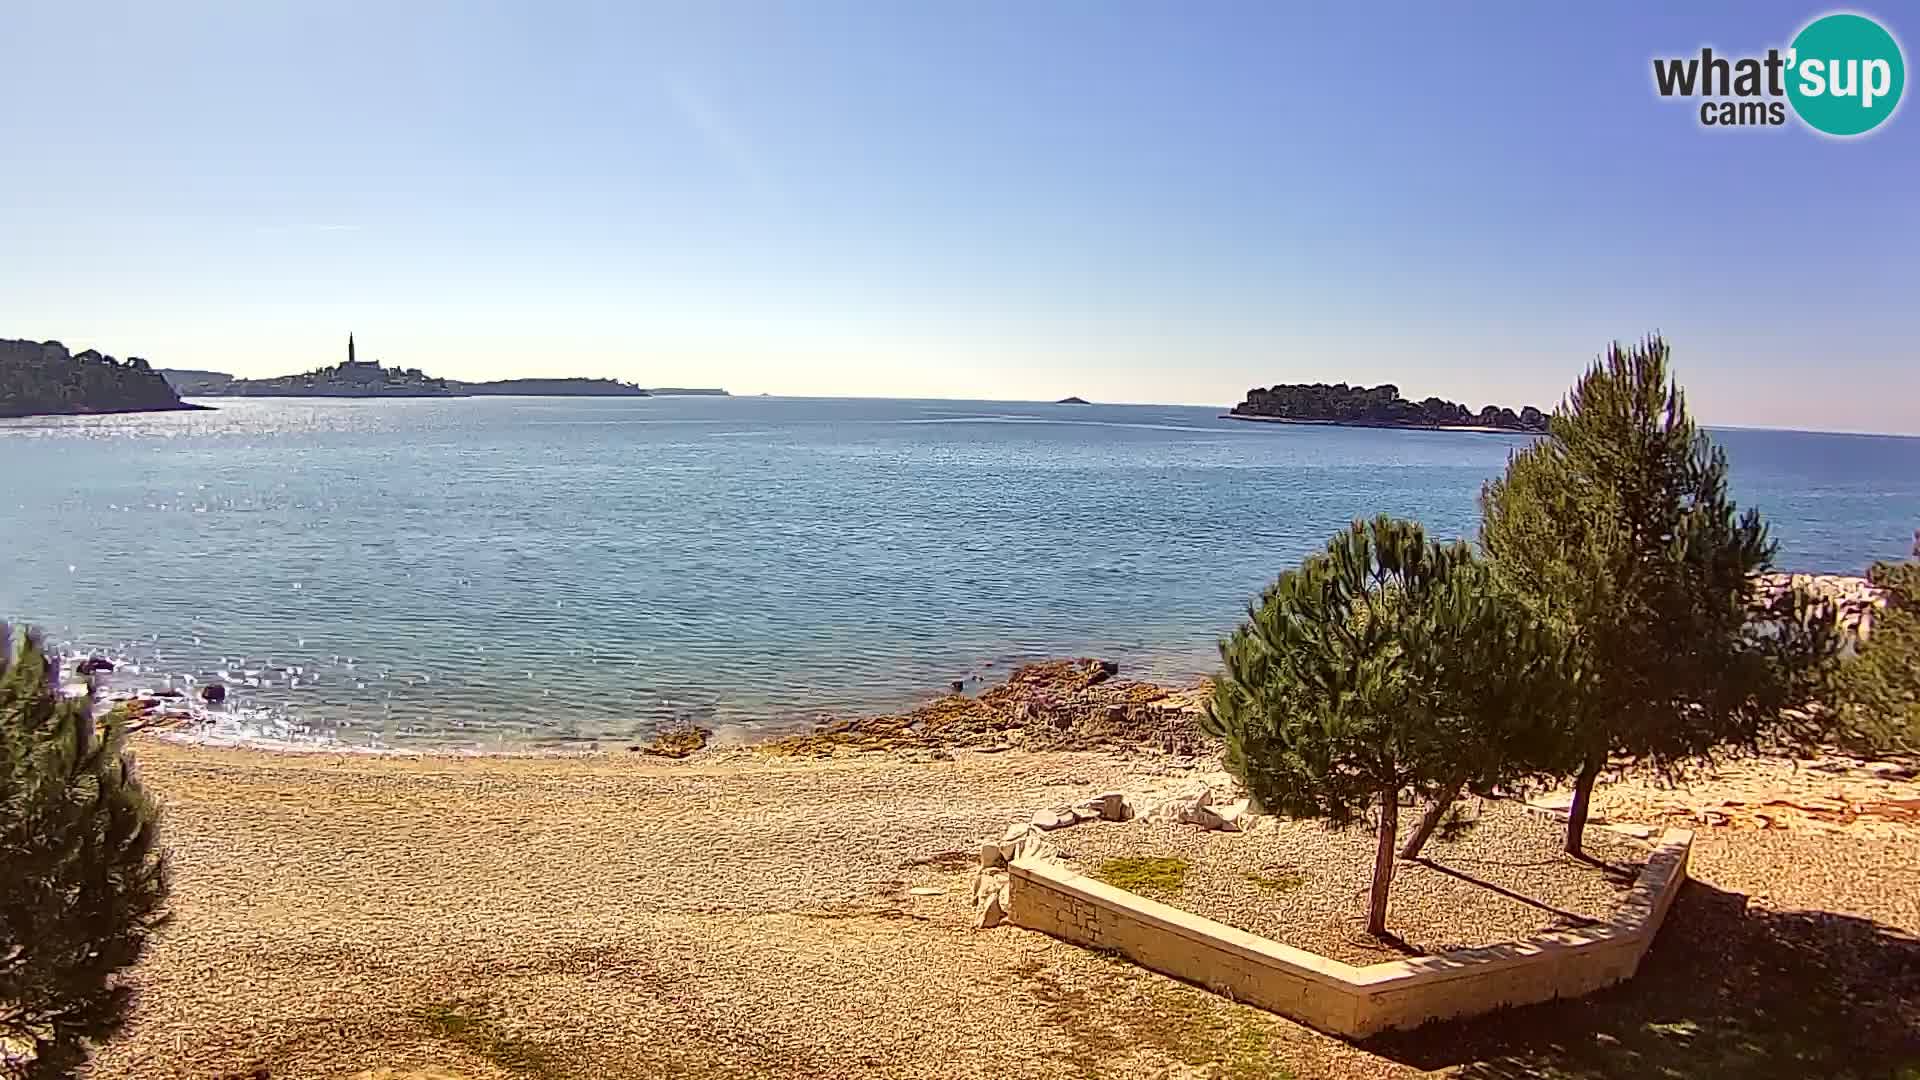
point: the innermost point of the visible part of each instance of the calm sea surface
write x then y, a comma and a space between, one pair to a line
516, 571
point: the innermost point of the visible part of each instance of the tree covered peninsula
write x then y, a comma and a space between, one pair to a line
41, 378
1376, 406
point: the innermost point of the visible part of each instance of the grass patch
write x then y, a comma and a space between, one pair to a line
462, 1024
1275, 883
1145, 873
1129, 1010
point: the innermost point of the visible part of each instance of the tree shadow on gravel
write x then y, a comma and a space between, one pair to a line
1725, 992
1565, 917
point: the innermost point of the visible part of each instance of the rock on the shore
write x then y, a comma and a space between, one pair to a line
1213, 800
677, 741
992, 913
1018, 842
1050, 820
1190, 802
1210, 800
1056, 704
1855, 600
1232, 814
991, 897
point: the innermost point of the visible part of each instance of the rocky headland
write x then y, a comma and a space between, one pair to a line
368, 379
42, 378
1376, 406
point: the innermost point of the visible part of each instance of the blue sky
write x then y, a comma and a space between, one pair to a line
1126, 201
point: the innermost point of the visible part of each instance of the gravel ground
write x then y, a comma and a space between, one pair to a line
740, 916
1299, 883
608, 916
1793, 953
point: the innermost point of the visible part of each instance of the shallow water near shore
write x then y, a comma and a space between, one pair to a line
515, 573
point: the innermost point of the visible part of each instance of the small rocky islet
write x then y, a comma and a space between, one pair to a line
1376, 406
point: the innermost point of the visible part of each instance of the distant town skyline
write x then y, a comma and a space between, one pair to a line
1121, 201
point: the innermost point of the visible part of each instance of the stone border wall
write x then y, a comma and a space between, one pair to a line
1341, 998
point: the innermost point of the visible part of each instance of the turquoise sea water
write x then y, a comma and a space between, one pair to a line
521, 571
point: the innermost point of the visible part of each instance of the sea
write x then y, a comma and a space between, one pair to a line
538, 573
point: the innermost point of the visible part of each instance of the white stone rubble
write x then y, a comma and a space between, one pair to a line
1211, 800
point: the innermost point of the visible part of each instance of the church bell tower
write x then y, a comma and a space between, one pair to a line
349, 348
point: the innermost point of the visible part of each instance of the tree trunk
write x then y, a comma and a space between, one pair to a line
1431, 822
1383, 862
1582, 800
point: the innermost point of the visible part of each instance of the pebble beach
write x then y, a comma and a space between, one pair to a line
745, 914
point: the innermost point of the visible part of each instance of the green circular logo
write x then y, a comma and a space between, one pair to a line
1845, 74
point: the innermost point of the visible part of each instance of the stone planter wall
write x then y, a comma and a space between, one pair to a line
1337, 997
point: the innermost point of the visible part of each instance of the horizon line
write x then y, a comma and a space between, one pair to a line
739, 394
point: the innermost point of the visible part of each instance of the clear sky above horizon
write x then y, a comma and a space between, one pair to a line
1125, 201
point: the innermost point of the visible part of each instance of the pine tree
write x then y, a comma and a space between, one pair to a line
1384, 663
1617, 528
1878, 690
82, 882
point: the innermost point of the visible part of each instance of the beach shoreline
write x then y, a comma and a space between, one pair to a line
1067, 702
1057, 703
741, 914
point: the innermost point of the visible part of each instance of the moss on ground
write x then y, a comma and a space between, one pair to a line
1275, 883
1130, 1010
1145, 873
469, 1027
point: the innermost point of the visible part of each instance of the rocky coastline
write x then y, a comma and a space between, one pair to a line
1079, 704
43, 378
1068, 704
